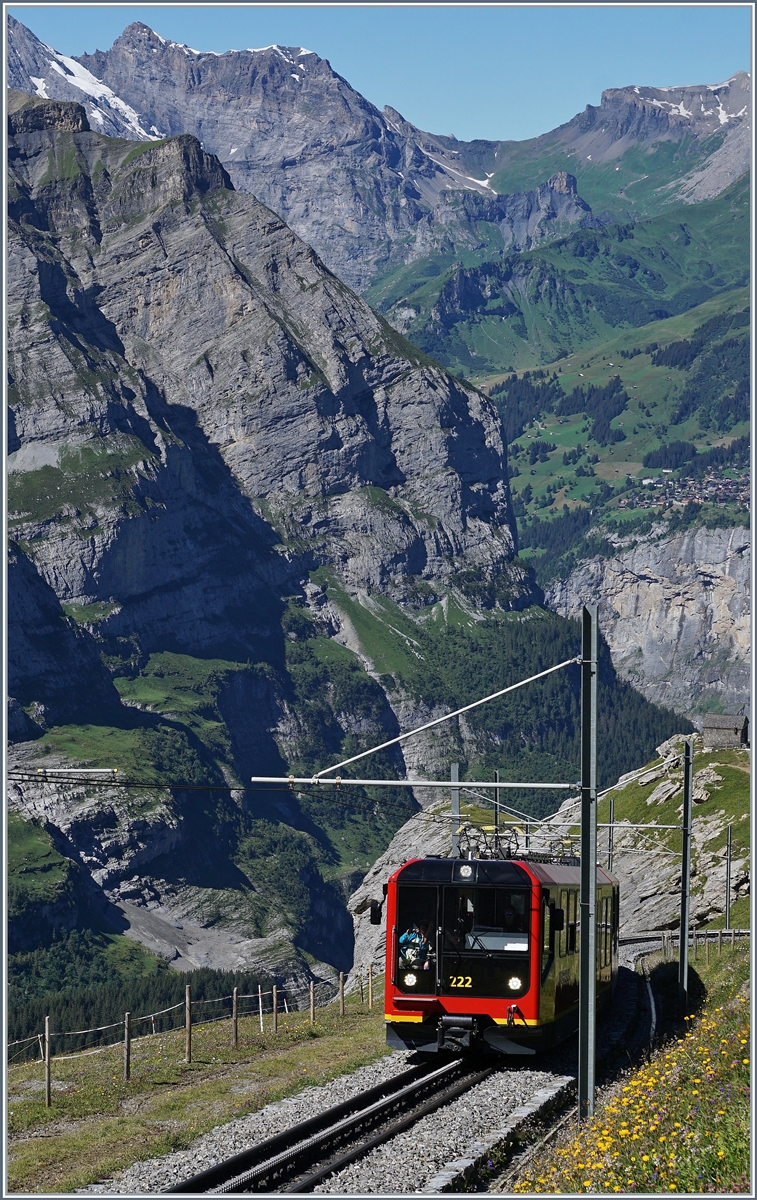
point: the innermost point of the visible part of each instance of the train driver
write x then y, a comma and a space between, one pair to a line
512, 921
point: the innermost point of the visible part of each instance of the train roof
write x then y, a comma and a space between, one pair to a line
493, 871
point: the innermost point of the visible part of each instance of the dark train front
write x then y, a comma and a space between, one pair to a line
482, 955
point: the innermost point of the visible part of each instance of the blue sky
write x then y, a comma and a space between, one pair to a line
489, 71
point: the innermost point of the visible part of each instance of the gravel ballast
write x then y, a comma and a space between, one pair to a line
145, 1178
413, 1159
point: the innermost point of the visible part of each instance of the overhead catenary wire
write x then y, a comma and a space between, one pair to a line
448, 717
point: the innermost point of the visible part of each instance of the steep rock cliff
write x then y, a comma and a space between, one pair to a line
181, 330
675, 613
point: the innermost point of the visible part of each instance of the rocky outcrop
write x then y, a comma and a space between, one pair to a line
55, 675
675, 613
630, 116
26, 115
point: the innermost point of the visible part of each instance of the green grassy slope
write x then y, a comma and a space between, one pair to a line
575, 476
519, 310
639, 183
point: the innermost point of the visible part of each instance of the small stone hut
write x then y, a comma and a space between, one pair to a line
730, 733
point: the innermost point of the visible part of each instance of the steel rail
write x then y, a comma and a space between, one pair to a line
336, 1164
283, 1156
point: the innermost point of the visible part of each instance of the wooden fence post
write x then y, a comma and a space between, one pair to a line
234, 1016
720, 942
188, 1024
361, 988
127, 1045
260, 1006
312, 1002
48, 1100
370, 985
275, 1008
707, 948
341, 993
733, 939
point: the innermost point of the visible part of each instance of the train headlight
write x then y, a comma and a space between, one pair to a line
410, 980
514, 983
466, 872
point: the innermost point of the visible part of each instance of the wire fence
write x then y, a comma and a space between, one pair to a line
266, 1006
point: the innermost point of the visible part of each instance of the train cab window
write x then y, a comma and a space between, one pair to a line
416, 936
486, 919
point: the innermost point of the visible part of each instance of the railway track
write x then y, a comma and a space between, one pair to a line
300, 1157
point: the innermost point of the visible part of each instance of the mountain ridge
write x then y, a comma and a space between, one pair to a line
367, 189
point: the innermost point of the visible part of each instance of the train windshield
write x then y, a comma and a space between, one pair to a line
486, 919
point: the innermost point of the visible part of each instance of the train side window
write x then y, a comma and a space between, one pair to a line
564, 934
604, 910
571, 930
546, 944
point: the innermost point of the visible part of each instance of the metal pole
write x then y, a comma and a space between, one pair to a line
370, 985
341, 993
188, 1024
234, 1016
683, 927
127, 1045
47, 1063
587, 997
454, 776
260, 1007
496, 805
275, 1009
312, 1002
728, 879
611, 835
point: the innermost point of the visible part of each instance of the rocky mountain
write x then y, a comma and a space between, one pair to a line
351, 181
275, 396
676, 615
633, 130
40, 70
202, 418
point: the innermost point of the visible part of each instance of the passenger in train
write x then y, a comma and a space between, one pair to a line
415, 947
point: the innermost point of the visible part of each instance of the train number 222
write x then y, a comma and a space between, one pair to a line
457, 981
